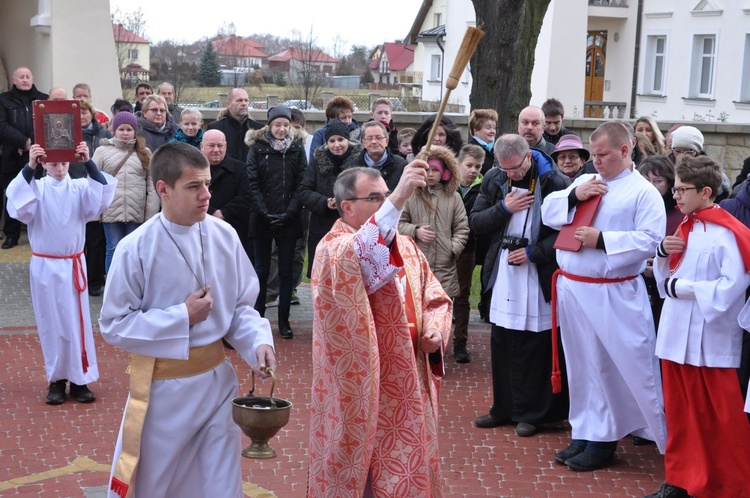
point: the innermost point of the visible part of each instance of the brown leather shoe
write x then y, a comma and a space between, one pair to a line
489, 422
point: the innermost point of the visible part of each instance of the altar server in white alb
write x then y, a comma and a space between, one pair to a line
702, 272
178, 285
56, 210
605, 319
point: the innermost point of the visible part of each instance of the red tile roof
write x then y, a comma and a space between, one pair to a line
123, 35
302, 55
400, 57
237, 46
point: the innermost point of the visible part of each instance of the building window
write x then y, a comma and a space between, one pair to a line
655, 67
702, 73
132, 53
745, 84
438, 19
436, 67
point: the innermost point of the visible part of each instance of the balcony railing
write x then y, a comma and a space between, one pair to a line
608, 110
609, 3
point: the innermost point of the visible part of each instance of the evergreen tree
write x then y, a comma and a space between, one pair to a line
209, 69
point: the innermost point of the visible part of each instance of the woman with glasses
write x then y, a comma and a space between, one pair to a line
687, 141
316, 191
155, 123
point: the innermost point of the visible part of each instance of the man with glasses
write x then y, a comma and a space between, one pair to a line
381, 322
155, 124
517, 272
605, 318
377, 154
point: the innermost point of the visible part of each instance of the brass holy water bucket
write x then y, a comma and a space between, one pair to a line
260, 418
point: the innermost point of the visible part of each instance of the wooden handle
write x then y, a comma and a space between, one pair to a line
468, 46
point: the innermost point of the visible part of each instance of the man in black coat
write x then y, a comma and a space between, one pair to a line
517, 271
236, 123
16, 137
230, 189
376, 153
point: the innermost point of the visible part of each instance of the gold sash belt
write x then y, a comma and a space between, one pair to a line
143, 370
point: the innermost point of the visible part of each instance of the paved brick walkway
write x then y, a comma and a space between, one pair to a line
66, 451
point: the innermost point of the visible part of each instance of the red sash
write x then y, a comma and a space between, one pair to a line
81, 284
556, 374
717, 215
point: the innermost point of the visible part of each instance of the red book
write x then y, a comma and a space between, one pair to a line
585, 212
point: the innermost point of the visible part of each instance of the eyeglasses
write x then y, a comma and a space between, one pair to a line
678, 152
682, 190
515, 168
575, 156
158, 111
373, 139
371, 198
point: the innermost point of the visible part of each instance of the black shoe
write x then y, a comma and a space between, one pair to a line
56, 394
586, 462
524, 429
9, 243
82, 393
286, 332
568, 452
669, 491
96, 291
642, 441
461, 355
488, 422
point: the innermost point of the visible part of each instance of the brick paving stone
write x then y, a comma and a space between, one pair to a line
37, 438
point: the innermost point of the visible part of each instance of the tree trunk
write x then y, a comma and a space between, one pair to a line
502, 64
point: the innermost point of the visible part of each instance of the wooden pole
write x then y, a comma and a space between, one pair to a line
468, 46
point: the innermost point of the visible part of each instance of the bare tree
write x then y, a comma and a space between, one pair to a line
307, 69
176, 65
126, 45
502, 64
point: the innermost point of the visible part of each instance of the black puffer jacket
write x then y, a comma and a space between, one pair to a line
16, 126
275, 179
317, 187
489, 217
391, 169
235, 133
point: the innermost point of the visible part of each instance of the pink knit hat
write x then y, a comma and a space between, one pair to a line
445, 173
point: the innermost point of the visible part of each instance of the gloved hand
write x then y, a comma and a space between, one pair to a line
278, 220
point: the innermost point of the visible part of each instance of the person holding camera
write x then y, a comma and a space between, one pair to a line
517, 272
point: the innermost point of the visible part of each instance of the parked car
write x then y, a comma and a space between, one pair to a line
211, 104
259, 104
303, 105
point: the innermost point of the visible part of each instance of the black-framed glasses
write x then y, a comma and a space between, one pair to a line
682, 190
371, 198
157, 111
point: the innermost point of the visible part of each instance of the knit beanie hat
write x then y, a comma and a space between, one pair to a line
687, 137
445, 173
336, 127
279, 111
124, 117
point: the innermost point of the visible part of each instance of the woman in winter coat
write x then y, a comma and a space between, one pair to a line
316, 192
276, 163
446, 135
436, 219
127, 158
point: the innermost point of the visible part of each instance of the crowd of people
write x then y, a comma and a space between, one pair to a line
614, 278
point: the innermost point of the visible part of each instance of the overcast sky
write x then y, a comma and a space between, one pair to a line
355, 22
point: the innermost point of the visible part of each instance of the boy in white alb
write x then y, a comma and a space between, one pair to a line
702, 271
178, 285
56, 210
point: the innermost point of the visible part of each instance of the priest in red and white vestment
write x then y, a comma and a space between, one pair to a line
381, 322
